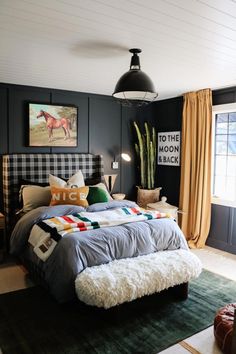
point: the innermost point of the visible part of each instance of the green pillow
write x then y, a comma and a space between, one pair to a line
96, 195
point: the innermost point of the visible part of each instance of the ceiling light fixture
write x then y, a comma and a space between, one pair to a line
135, 88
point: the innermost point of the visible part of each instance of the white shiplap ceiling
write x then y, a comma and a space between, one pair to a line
82, 45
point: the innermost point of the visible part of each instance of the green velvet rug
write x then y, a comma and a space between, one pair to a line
32, 322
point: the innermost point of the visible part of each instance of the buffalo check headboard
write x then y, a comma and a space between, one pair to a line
36, 167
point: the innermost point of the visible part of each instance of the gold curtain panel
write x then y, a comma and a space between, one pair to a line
195, 184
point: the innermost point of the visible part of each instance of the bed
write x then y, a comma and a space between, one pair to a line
97, 256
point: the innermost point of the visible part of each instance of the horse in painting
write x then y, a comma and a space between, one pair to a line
54, 123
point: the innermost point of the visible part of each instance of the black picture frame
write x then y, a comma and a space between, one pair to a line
52, 125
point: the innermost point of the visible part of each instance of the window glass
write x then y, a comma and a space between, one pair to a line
230, 188
231, 166
224, 184
222, 118
222, 128
221, 144
220, 186
220, 165
232, 117
232, 144
232, 128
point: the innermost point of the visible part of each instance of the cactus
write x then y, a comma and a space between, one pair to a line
146, 152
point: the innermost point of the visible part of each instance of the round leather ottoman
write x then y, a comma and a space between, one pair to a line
223, 327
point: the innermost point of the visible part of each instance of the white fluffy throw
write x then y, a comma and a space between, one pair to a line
127, 279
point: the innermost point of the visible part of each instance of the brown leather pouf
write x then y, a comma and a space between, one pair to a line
223, 327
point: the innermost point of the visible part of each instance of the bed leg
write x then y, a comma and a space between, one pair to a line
180, 292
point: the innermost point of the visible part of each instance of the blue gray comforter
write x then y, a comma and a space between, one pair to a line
79, 250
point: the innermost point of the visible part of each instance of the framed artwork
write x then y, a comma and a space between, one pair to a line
168, 152
52, 125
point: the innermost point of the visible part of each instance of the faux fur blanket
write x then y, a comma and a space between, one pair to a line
127, 279
48, 232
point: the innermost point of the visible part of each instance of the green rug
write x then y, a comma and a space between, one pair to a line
32, 322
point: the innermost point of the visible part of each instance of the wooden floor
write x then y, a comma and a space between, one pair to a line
14, 277
203, 342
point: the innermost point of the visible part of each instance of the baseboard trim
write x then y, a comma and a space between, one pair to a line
221, 245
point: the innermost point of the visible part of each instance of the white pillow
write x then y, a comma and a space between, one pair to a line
76, 180
103, 186
34, 197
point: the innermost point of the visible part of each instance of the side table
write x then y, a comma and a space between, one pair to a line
163, 207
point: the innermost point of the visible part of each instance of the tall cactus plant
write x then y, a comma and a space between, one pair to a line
146, 152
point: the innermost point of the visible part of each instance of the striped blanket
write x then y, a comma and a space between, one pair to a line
47, 233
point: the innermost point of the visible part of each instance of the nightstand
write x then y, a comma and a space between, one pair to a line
164, 207
2, 237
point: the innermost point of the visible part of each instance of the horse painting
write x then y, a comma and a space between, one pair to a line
54, 123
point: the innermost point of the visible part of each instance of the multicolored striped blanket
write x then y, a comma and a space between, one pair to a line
52, 230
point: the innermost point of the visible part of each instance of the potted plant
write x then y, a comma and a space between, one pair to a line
146, 151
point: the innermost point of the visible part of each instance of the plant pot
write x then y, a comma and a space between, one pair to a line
146, 196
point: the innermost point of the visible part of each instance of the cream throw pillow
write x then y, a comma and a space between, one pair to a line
77, 180
34, 197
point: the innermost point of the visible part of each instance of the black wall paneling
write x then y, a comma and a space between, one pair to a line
3, 128
128, 169
18, 117
224, 96
166, 116
99, 126
3, 120
104, 127
233, 228
219, 231
105, 132
169, 118
222, 233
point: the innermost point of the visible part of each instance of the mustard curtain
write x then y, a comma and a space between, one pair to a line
195, 183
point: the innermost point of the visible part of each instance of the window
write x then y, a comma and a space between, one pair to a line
224, 152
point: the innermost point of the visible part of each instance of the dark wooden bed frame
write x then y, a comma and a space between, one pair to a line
179, 292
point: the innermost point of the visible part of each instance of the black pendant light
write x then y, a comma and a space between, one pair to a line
135, 88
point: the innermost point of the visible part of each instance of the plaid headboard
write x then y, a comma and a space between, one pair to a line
36, 167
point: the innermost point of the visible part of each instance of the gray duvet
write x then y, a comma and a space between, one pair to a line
78, 250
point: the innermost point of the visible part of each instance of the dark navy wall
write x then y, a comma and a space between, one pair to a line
224, 96
222, 233
129, 178
102, 127
106, 128
165, 115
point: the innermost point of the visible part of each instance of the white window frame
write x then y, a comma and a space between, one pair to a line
223, 108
